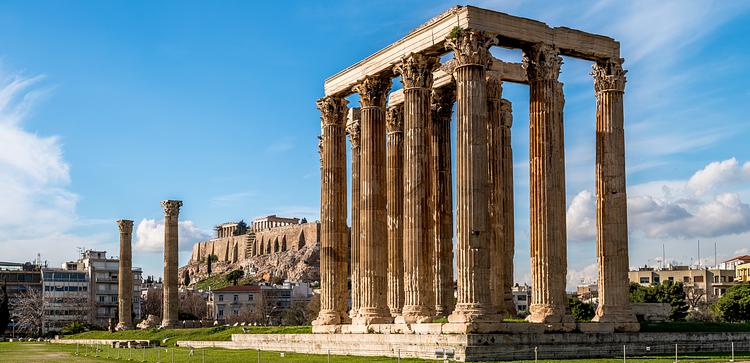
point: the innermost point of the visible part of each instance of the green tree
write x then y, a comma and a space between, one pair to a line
235, 276
186, 279
209, 260
4, 310
581, 311
734, 305
672, 293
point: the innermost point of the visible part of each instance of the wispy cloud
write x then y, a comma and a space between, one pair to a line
281, 145
232, 198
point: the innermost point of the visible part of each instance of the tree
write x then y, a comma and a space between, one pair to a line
734, 305
4, 310
152, 304
29, 307
241, 228
209, 259
234, 276
192, 305
186, 278
668, 292
581, 311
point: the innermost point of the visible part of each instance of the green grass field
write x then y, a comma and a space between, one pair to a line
45, 352
173, 335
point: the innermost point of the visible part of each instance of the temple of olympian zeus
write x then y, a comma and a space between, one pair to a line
400, 252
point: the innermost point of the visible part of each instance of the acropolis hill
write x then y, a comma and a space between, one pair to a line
271, 247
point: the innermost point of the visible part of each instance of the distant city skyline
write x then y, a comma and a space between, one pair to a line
108, 108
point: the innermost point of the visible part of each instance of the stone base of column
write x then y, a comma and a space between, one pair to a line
122, 326
621, 317
547, 314
415, 314
168, 324
473, 313
367, 316
395, 312
327, 317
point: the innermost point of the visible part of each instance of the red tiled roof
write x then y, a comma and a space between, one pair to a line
239, 288
741, 258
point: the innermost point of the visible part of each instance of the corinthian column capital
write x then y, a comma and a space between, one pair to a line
608, 76
442, 103
470, 47
542, 61
171, 207
494, 88
373, 91
416, 70
394, 119
506, 113
126, 226
352, 128
332, 111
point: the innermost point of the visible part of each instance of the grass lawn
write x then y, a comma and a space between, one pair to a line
173, 335
44, 352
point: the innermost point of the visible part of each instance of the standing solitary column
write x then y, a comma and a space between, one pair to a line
416, 76
395, 207
442, 191
373, 267
496, 234
547, 186
333, 229
472, 250
125, 276
611, 199
506, 122
171, 257
352, 128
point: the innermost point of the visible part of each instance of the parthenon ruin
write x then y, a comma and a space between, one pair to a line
401, 252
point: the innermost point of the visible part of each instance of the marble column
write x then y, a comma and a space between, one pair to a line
496, 232
395, 207
547, 185
334, 256
442, 192
125, 276
472, 58
416, 76
373, 268
352, 128
611, 198
506, 159
171, 259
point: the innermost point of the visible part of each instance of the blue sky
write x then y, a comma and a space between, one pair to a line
106, 108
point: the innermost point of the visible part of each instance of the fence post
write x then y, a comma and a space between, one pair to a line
623, 354
144, 354
203, 356
172, 355
732, 352
258, 355
76, 348
329, 356
399, 356
536, 354
675, 353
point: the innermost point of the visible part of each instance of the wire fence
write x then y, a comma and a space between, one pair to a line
680, 351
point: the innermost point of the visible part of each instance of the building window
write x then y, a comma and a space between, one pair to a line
250, 297
221, 297
698, 279
656, 279
686, 279
221, 312
670, 278
236, 298
644, 280
730, 279
521, 297
101, 299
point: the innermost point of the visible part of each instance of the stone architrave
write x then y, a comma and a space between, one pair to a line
472, 58
442, 196
171, 259
373, 309
547, 185
395, 207
496, 200
352, 128
416, 76
125, 276
611, 198
506, 122
334, 256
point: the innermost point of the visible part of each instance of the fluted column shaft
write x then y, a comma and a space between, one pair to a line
442, 196
547, 186
125, 276
373, 223
395, 207
416, 76
506, 158
472, 249
334, 256
611, 198
170, 293
354, 137
496, 200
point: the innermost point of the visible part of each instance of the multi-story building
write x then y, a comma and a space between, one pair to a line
18, 279
588, 293
742, 273
732, 263
710, 283
65, 294
522, 297
235, 301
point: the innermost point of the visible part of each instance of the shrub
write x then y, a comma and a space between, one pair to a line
734, 305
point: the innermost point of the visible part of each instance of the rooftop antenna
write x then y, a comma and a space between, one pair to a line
663, 257
699, 254
716, 263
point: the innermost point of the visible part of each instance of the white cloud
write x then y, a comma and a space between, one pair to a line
581, 217
719, 173
586, 275
149, 235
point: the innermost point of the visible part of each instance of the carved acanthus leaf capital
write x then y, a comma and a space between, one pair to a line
126, 226
506, 113
373, 91
494, 88
416, 70
609, 76
320, 149
352, 128
171, 207
471, 48
332, 111
542, 61
394, 119
441, 103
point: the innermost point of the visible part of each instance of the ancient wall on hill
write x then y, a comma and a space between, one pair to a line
286, 238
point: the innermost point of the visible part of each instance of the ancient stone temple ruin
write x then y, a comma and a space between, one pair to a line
401, 254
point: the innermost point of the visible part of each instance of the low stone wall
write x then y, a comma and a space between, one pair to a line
483, 347
116, 343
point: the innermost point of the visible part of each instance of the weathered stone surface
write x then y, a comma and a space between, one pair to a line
395, 207
152, 321
171, 260
353, 130
125, 276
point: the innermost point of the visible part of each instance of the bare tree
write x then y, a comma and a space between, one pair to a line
152, 304
694, 297
28, 307
193, 304
247, 315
